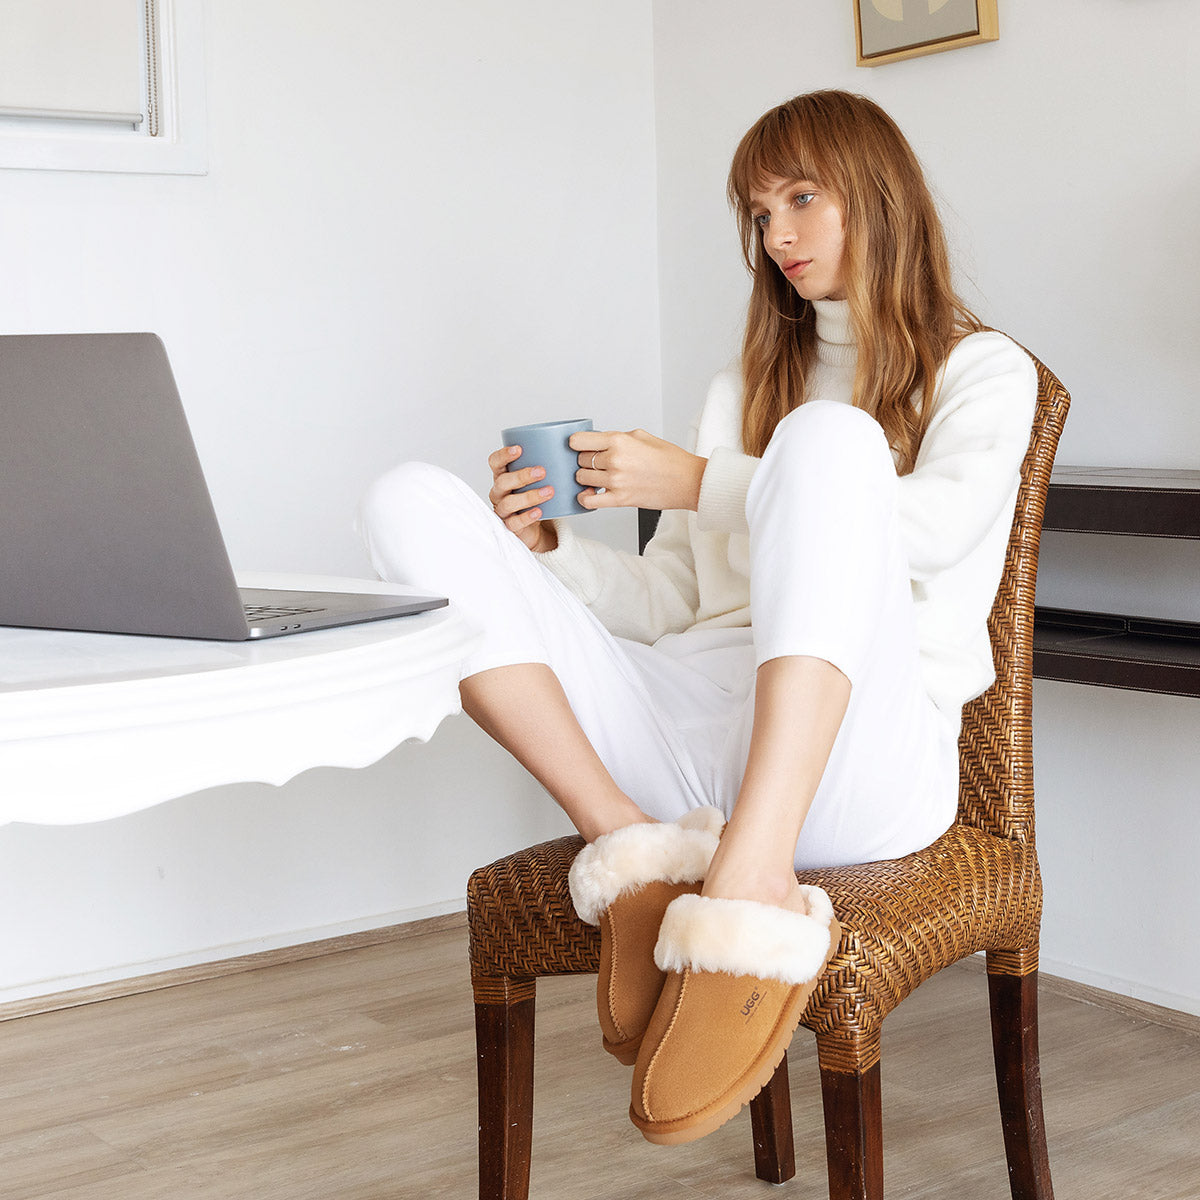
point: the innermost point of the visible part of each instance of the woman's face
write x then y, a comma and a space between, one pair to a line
802, 231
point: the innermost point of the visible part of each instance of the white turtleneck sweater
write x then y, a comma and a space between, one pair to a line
955, 511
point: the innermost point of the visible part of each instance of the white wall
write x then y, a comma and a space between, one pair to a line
1067, 163
453, 213
421, 222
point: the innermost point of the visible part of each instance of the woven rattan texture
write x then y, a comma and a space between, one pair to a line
995, 746
521, 920
902, 920
976, 888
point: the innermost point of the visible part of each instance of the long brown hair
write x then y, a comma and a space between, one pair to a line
904, 312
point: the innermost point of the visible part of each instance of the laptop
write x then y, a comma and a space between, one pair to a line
106, 523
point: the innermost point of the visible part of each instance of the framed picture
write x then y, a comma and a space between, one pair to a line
888, 30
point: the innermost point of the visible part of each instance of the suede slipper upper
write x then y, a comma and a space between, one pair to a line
739, 976
624, 882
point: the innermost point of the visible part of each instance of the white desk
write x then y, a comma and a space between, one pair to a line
94, 726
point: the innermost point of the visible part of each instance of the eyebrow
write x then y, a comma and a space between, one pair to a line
803, 183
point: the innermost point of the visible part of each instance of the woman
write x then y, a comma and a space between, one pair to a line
794, 648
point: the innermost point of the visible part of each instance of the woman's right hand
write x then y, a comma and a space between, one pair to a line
513, 509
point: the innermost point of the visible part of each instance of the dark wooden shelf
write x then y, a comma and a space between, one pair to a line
1108, 649
1124, 500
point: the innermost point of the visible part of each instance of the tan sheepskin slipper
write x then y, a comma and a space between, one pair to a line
623, 882
739, 977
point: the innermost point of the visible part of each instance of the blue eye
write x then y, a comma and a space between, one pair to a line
762, 220
803, 198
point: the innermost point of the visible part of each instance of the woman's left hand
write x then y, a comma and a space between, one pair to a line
636, 470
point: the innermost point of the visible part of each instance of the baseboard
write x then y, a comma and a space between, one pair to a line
1060, 985
1088, 993
196, 972
1147, 1010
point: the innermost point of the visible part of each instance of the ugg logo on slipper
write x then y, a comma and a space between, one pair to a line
749, 1006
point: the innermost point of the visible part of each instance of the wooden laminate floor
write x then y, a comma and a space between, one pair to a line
352, 1077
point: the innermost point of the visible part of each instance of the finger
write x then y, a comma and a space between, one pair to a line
590, 439
605, 459
511, 481
521, 502
593, 479
498, 460
591, 498
521, 521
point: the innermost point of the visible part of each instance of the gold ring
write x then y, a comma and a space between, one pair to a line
594, 453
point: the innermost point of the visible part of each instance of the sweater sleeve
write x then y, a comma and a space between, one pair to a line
723, 490
722, 506
969, 464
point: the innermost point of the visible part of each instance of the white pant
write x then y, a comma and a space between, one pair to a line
672, 721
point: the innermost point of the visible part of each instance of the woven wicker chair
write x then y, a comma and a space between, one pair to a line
976, 888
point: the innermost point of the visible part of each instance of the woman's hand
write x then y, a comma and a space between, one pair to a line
636, 470
526, 522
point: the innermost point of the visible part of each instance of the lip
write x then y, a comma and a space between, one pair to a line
793, 266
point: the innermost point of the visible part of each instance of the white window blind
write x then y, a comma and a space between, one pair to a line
102, 85
73, 60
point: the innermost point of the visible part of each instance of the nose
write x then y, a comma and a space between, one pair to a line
780, 233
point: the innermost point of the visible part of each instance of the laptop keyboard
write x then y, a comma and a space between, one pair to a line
268, 612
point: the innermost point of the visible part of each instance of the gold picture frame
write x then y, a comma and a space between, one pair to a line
888, 30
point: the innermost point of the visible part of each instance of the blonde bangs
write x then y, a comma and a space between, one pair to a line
782, 144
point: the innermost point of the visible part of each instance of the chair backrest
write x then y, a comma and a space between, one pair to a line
996, 744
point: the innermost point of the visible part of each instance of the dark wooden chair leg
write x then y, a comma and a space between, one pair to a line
853, 1102
1012, 991
504, 1011
771, 1124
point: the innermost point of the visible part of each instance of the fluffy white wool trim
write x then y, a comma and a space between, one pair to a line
744, 937
627, 858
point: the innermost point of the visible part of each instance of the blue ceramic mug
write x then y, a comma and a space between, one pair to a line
545, 445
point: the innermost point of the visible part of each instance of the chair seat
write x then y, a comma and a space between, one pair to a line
902, 920
905, 919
